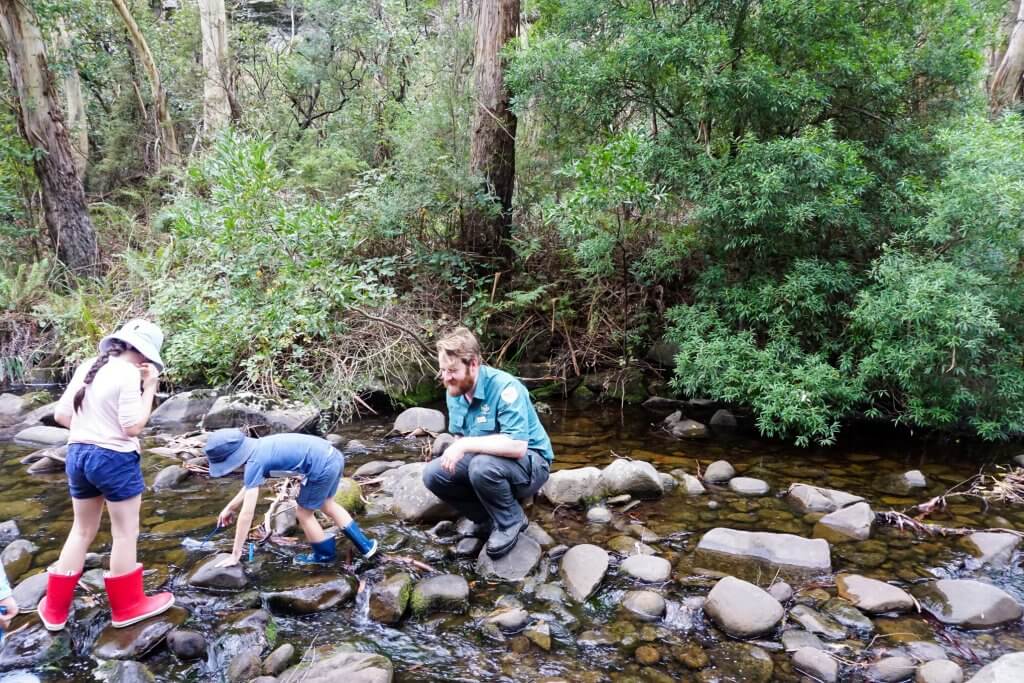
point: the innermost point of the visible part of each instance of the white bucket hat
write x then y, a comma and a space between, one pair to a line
145, 336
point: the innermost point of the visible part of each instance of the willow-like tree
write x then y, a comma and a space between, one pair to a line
493, 148
41, 122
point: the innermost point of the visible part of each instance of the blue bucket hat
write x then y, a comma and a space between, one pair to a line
227, 450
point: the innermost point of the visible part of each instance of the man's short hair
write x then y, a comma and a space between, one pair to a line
460, 343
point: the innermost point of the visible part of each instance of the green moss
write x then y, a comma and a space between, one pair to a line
350, 496
36, 399
423, 392
271, 632
418, 602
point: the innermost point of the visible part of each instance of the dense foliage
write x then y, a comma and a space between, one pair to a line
808, 198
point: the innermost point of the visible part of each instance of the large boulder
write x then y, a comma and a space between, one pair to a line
573, 486
992, 548
132, 642
784, 552
635, 477
967, 604
270, 415
1007, 669
30, 591
183, 412
411, 501
872, 595
852, 523
583, 568
340, 664
418, 420
207, 574
296, 592
742, 609
33, 646
41, 436
807, 498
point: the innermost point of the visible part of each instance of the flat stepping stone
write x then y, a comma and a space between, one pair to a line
968, 604
748, 486
873, 596
742, 609
582, 569
644, 605
648, 568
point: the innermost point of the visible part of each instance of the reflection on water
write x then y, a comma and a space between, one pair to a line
592, 642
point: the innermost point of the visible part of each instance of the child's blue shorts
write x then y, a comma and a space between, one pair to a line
96, 471
315, 492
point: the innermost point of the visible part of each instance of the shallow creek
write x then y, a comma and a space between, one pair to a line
455, 648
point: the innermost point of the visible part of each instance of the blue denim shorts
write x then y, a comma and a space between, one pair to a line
316, 490
96, 471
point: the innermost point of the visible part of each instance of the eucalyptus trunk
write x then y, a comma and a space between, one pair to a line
1005, 87
216, 74
78, 123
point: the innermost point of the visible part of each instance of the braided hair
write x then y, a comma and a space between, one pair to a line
114, 348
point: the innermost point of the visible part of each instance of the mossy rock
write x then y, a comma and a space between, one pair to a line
425, 391
36, 399
350, 496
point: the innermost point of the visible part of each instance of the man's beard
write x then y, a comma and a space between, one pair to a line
462, 388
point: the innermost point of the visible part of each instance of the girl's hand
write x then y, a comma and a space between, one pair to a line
150, 376
12, 611
226, 518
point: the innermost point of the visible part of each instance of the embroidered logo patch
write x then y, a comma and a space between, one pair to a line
509, 394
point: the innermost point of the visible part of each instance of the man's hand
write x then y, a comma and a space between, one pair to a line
150, 376
226, 517
452, 455
12, 611
229, 561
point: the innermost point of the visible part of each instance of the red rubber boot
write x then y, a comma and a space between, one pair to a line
129, 603
60, 591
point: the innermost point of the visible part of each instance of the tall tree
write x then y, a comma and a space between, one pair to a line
78, 123
493, 148
41, 122
167, 151
216, 75
1005, 87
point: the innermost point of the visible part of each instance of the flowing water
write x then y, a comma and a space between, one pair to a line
595, 641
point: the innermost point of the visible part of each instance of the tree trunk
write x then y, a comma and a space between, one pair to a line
167, 151
216, 75
1005, 89
493, 148
78, 123
41, 122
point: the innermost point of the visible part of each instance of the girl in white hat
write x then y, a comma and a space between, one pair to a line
106, 407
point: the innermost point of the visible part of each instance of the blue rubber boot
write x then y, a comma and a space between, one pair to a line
365, 546
324, 552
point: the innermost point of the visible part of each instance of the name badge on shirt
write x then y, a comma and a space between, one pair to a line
481, 418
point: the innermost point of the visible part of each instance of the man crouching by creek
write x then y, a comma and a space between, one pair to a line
501, 454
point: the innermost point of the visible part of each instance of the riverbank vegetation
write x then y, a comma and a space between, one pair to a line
818, 205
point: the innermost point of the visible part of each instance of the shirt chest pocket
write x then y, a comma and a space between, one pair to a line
480, 424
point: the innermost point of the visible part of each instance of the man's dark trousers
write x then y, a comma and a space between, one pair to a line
489, 487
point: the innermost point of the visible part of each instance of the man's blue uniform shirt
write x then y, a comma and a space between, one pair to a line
501, 405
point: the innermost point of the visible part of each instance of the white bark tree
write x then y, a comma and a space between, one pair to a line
216, 73
1005, 88
77, 121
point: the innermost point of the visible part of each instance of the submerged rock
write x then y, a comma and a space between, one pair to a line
296, 592
742, 609
781, 551
124, 672
33, 646
186, 644
807, 498
339, 664
968, 604
741, 662
644, 605
901, 484
573, 486
583, 568
240, 632
872, 595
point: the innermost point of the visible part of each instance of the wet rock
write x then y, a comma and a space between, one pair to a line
847, 615
537, 533
132, 642
30, 591
741, 662
33, 646
719, 472
278, 660
1018, 460
691, 655
968, 604
350, 496
296, 592
355, 446
440, 444
390, 598
207, 575
271, 415
992, 548
643, 533
817, 664
12, 405
411, 500
781, 591
901, 484
635, 477
1007, 669
329, 665
187, 644
644, 605
183, 412
41, 436
807, 498
515, 566
599, 515
852, 523
817, 623
661, 404
508, 619
9, 531
939, 671
469, 547
742, 609
691, 485
424, 419
627, 545
539, 634
723, 419
125, 672
668, 482
648, 655
924, 651
776, 550
240, 632
444, 593
17, 557
47, 464
43, 415
796, 639
376, 467
169, 477
684, 428
244, 667
647, 568
748, 486
873, 596
573, 486
891, 669
582, 569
